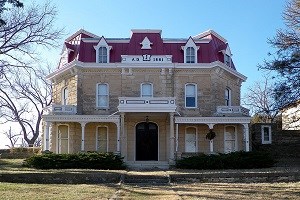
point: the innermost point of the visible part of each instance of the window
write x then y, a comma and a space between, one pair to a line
190, 51
227, 60
102, 51
146, 90
102, 139
63, 139
102, 55
191, 139
65, 96
190, 55
227, 97
266, 137
190, 96
102, 95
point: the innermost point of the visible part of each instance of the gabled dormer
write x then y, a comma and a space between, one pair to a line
190, 51
102, 51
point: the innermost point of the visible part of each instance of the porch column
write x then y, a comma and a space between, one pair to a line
177, 130
172, 138
211, 142
46, 137
246, 136
124, 138
82, 135
118, 137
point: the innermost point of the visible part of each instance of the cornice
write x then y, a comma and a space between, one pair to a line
212, 120
82, 118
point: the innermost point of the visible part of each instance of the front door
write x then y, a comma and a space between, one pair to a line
229, 139
146, 141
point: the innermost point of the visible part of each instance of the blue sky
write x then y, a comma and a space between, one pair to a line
246, 24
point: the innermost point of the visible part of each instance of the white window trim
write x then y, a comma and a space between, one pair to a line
63, 97
263, 141
102, 43
196, 95
235, 135
141, 88
190, 43
229, 96
102, 107
58, 150
107, 140
196, 139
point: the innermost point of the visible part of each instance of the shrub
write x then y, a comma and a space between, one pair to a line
234, 160
76, 161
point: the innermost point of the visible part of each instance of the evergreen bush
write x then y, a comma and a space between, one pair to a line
234, 160
92, 160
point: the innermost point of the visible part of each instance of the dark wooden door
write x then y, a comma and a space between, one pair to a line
146, 141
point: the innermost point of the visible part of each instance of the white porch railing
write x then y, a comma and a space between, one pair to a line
63, 110
232, 110
147, 104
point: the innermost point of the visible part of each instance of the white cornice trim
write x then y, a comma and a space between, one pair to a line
82, 31
94, 65
82, 118
146, 31
212, 120
208, 32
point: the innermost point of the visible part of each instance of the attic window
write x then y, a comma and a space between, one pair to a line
102, 51
190, 51
227, 56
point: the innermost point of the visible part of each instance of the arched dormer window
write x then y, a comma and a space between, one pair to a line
190, 51
227, 56
102, 51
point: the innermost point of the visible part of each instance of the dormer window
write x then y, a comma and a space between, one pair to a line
227, 56
190, 51
190, 55
102, 51
102, 55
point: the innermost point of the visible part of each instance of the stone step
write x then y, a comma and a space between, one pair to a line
146, 179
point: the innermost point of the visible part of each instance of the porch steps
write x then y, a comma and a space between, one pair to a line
147, 165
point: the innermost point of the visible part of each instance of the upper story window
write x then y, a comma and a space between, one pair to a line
227, 97
102, 51
146, 90
266, 136
64, 96
190, 51
102, 95
190, 95
190, 55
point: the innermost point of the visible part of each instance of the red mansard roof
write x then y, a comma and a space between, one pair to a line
210, 46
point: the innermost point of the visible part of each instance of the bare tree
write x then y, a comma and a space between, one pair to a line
260, 100
23, 99
12, 137
25, 33
24, 92
3, 8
